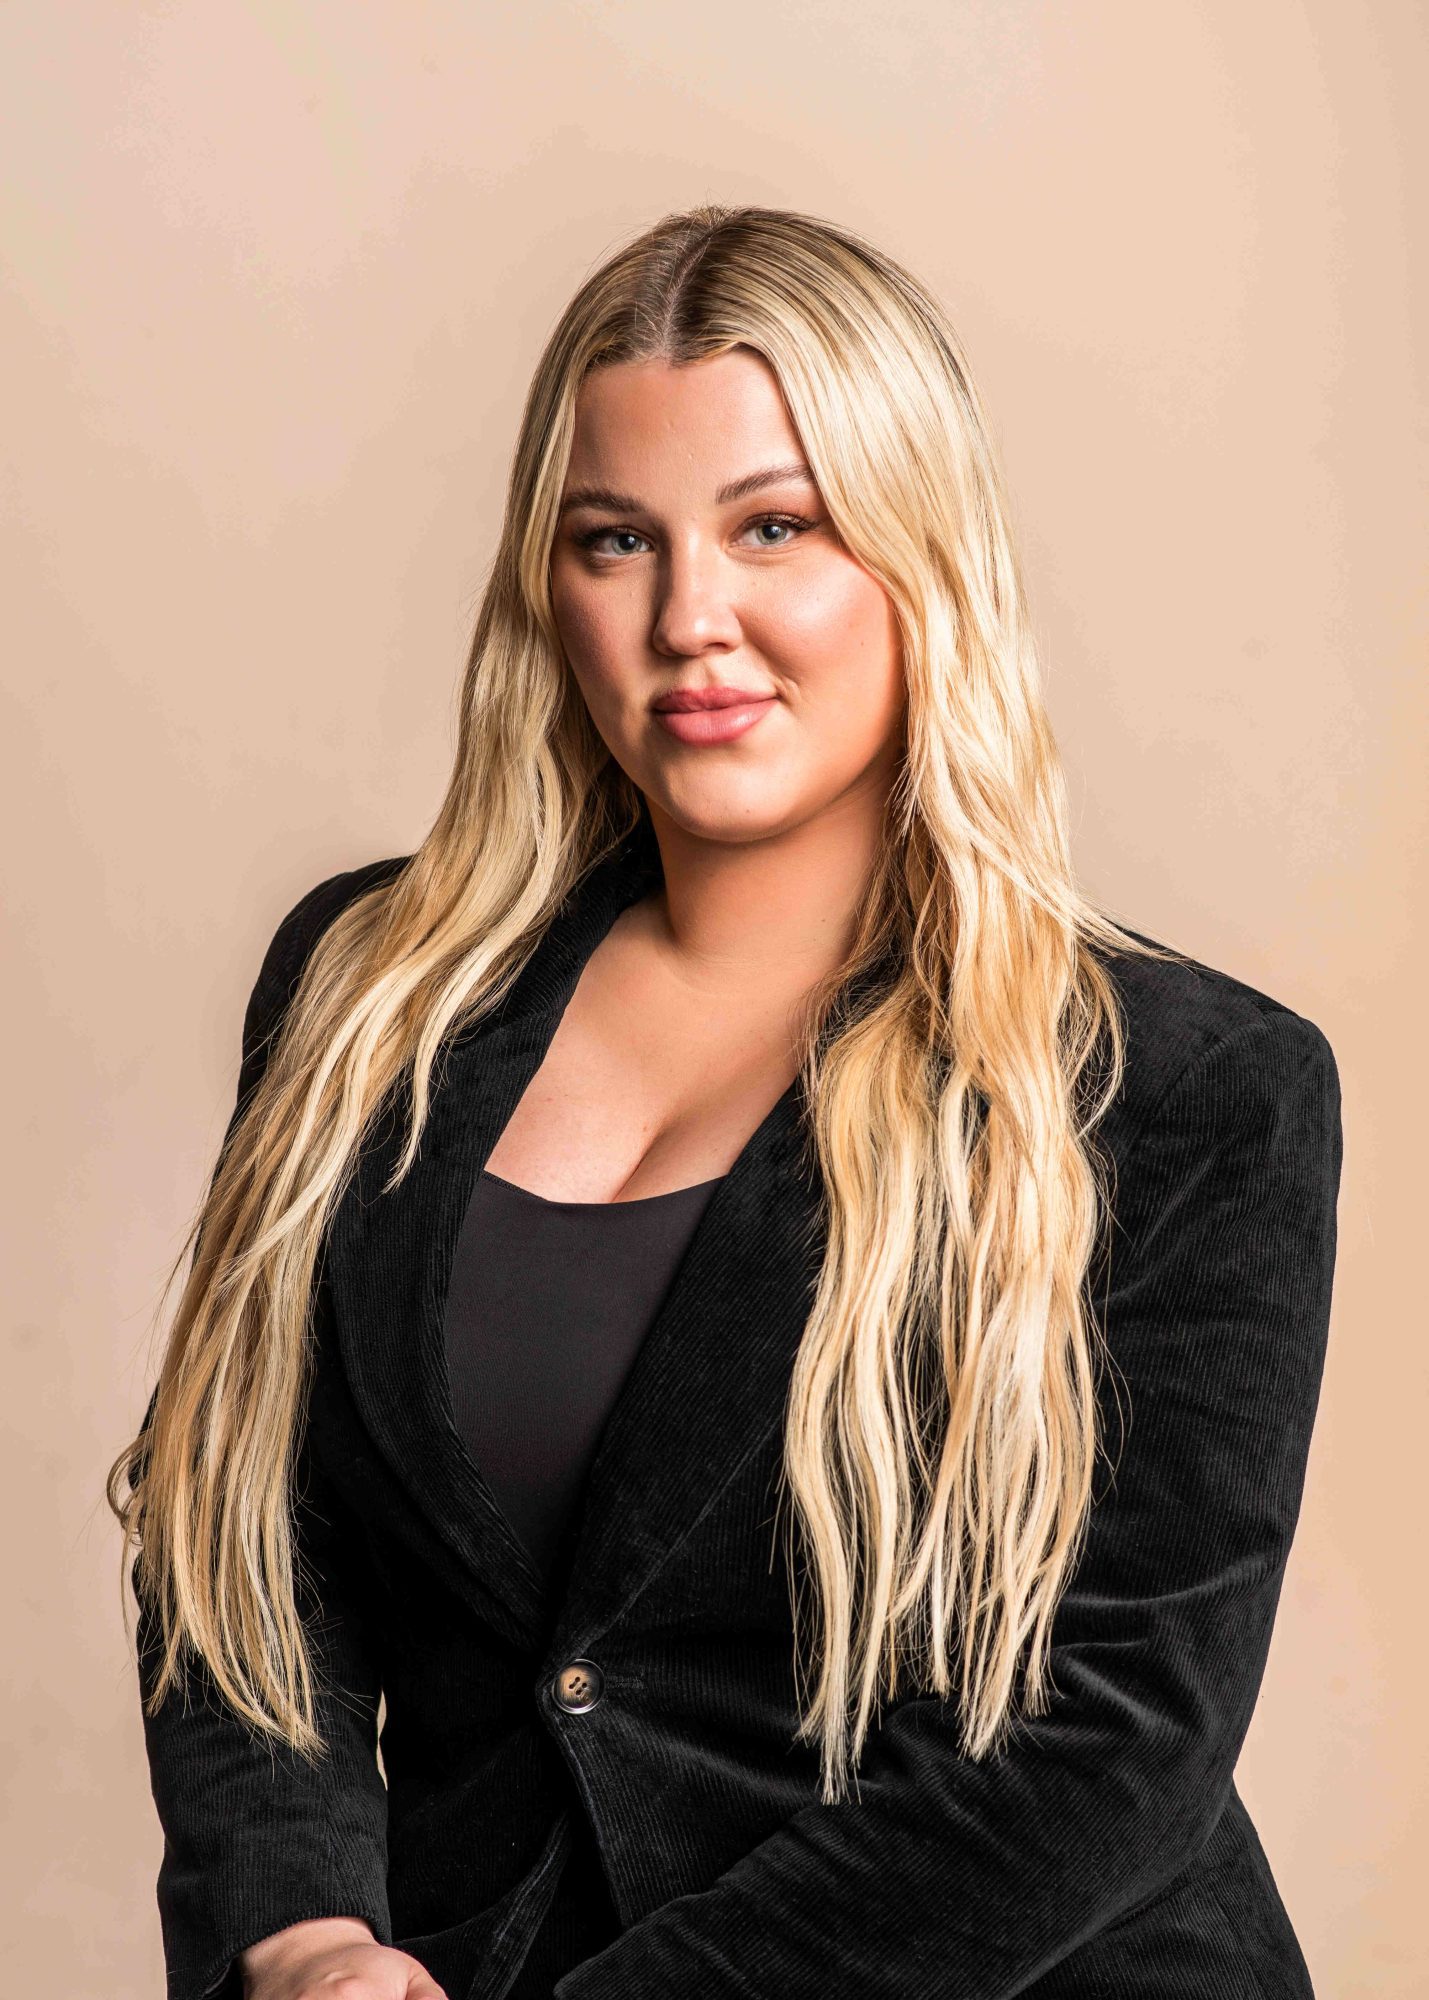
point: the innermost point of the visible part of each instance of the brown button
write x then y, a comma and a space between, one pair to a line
578, 1685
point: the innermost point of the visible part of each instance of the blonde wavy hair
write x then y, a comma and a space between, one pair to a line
941, 1422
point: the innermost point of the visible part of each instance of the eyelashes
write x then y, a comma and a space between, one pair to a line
800, 524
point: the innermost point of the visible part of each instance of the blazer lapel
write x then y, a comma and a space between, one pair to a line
708, 1381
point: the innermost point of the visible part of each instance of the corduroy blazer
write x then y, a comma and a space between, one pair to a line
1105, 1852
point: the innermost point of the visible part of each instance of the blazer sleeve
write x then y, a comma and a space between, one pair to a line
974, 1878
254, 1837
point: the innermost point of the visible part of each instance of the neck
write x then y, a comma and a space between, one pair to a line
782, 910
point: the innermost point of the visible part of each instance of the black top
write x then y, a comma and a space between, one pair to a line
547, 1306
546, 1309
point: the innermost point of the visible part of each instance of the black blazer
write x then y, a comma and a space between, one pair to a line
649, 1731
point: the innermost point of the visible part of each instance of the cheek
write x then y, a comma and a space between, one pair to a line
836, 638
585, 625
594, 633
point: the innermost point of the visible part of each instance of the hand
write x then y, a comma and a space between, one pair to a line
329, 1954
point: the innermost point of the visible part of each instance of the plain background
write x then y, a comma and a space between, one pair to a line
274, 281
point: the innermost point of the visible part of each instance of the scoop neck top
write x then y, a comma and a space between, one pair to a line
547, 1305
580, 1207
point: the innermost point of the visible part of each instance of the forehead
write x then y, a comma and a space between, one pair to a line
699, 422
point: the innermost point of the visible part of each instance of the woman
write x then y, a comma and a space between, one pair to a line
777, 1340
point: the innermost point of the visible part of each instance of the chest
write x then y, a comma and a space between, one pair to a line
644, 1089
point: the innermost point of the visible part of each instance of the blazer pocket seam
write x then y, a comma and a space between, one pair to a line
713, 1501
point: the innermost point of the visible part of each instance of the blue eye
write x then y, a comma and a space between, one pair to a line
629, 534
594, 535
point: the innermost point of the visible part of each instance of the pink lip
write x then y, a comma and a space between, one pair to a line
710, 715
687, 700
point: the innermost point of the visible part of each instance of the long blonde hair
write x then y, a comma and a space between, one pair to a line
941, 1422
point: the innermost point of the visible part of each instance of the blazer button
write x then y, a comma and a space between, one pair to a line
578, 1685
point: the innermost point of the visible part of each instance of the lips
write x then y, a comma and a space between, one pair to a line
692, 701
703, 717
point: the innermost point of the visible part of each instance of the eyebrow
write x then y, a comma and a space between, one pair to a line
735, 489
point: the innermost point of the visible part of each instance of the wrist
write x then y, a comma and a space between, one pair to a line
300, 1939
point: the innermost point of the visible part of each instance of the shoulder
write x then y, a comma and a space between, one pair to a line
1196, 1033
297, 933
292, 944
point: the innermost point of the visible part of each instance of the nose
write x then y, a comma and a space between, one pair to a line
695, 609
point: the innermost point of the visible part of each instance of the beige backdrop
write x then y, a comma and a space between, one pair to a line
275, 278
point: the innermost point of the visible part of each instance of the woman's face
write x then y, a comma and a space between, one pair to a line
694, 558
